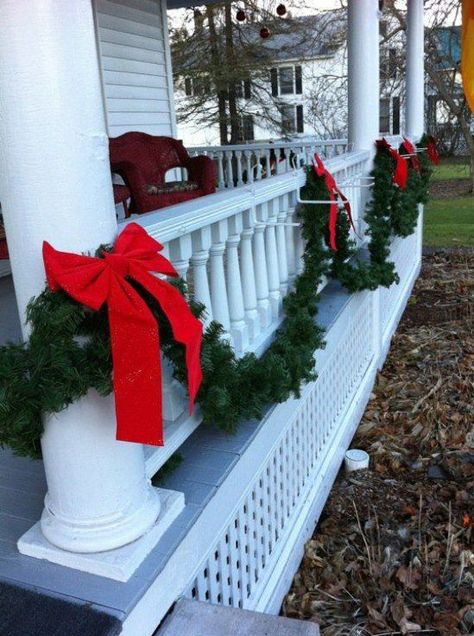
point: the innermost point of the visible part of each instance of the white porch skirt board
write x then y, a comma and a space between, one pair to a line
212, 560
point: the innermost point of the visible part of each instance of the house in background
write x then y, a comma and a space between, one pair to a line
85, 525
305, 89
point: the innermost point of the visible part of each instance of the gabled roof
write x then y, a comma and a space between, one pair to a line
299, 37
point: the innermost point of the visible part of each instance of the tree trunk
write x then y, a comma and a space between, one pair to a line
231, 61
221, 96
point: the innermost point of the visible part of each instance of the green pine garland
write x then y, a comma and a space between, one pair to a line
69, 347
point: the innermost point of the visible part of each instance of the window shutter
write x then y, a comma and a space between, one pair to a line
274, 78
188, 87
299, 119
247, 89
298, 80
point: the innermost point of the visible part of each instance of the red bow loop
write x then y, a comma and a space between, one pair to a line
133, 329
410, 149
432, 151
334, 193
400, 175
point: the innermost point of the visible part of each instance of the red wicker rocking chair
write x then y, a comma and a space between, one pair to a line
143, 160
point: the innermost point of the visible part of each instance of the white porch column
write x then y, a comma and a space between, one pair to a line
363, 73
55, 184
415, 71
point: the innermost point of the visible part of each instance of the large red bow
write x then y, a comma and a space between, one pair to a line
334, 192
432, 151
410, 149
400, 175
133, 329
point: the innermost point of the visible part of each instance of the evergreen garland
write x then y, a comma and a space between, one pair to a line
68, 351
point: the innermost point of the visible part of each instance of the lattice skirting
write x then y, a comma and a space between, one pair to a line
251, 561
246, 545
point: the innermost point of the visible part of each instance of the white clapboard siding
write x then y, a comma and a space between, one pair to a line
136, 66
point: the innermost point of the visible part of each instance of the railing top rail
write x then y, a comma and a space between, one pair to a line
271, 144
176, 221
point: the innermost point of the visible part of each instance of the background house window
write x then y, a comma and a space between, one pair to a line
197, 86
384, 120
292, 118
287, 80
396, 116
243, 89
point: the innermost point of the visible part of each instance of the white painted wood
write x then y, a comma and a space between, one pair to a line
271, 254
56, 186
117, 564
282, 479
415, 70
281, 243
248, 283
219, 298
136, 66
363, 73
238, 325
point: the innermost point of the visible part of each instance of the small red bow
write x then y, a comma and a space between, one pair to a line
133, 329
400, 175
432, 151
334, 192
410, 149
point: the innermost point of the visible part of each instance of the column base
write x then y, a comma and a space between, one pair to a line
118, 564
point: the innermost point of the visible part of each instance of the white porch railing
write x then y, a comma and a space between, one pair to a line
247, 163
240, 251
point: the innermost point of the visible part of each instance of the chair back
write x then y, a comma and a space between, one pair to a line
137, 156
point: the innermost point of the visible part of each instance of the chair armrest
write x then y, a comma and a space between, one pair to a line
203, 170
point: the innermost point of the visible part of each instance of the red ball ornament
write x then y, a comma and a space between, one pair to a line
281, 10
240, 15
264, 33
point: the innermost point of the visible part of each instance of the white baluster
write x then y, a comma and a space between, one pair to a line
220, 170
247, 272
180, 251
290, 244
281, 244
261, 276
238, 326
220, 307
238, 160
248, 165
299, 249
271, 254
258, 156
268, 167
202, 294
229, 154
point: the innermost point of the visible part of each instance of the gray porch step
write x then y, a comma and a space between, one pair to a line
195, 618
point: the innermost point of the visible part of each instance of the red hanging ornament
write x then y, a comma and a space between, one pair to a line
265, 33
240, 15
281, 10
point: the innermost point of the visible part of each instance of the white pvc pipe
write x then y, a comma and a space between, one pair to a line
363, 73
415, 71
55, 184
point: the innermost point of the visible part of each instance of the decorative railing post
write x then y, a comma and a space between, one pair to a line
281, 244
272, 260
238, 327
199, 260
248, 278
220, 307
261, 277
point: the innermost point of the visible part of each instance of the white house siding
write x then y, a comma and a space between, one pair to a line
136, 66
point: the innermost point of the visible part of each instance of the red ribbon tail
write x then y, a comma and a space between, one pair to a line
187, 329
136, 367
332, 221
348, 209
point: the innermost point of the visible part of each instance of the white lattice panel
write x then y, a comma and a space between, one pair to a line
405, 255
239, 561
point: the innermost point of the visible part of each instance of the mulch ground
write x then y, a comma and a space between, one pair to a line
393, 552
450, 188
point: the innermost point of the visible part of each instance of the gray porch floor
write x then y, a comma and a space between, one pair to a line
208, 457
